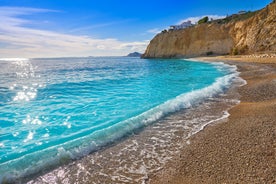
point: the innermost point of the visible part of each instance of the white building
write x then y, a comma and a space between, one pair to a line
181, 26
242, 12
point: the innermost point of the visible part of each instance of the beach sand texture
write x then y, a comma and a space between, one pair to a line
241, 150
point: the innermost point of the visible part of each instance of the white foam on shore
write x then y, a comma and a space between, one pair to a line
200, 128
237, 81
220, 65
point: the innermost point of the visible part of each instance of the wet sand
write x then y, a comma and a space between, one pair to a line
241, 150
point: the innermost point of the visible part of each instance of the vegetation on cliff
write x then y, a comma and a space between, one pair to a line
203, 20
245, 33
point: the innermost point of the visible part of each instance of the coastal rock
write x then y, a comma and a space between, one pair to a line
199, 40
134, 54
249, 33
256, 34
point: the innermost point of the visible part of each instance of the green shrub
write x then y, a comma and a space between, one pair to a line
203, 20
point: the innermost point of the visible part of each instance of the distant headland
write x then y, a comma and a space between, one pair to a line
134, 54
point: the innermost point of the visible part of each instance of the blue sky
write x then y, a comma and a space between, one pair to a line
58, 28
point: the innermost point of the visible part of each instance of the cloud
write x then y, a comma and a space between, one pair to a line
154, 30
22, 41
105, 24
196, 19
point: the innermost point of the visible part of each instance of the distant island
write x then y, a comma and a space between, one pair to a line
134, 54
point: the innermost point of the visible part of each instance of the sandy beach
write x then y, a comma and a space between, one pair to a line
241, 150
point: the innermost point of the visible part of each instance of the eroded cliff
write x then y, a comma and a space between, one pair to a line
250, 33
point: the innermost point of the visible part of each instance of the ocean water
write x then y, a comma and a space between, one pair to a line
56, 110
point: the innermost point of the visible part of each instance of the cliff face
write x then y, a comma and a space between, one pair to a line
257, 33
254, 34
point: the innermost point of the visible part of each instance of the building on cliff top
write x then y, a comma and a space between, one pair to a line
183, 25
242, 12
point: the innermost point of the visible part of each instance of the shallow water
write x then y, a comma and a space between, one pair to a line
145, 152
55, 110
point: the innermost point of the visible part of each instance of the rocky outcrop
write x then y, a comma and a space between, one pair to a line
134, 54
256, 34
250, 33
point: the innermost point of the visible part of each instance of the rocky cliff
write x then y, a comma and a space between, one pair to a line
238, 34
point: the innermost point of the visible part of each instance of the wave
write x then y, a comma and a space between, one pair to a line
82, 146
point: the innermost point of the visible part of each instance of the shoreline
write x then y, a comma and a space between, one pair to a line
100, 166
242, 149
131, 160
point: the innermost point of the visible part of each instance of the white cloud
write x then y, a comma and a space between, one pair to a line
154, 30
21, 41
196, 19
105, 24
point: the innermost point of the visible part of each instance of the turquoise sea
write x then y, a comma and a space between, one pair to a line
54, 110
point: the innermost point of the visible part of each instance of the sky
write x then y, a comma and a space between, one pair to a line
68, 28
